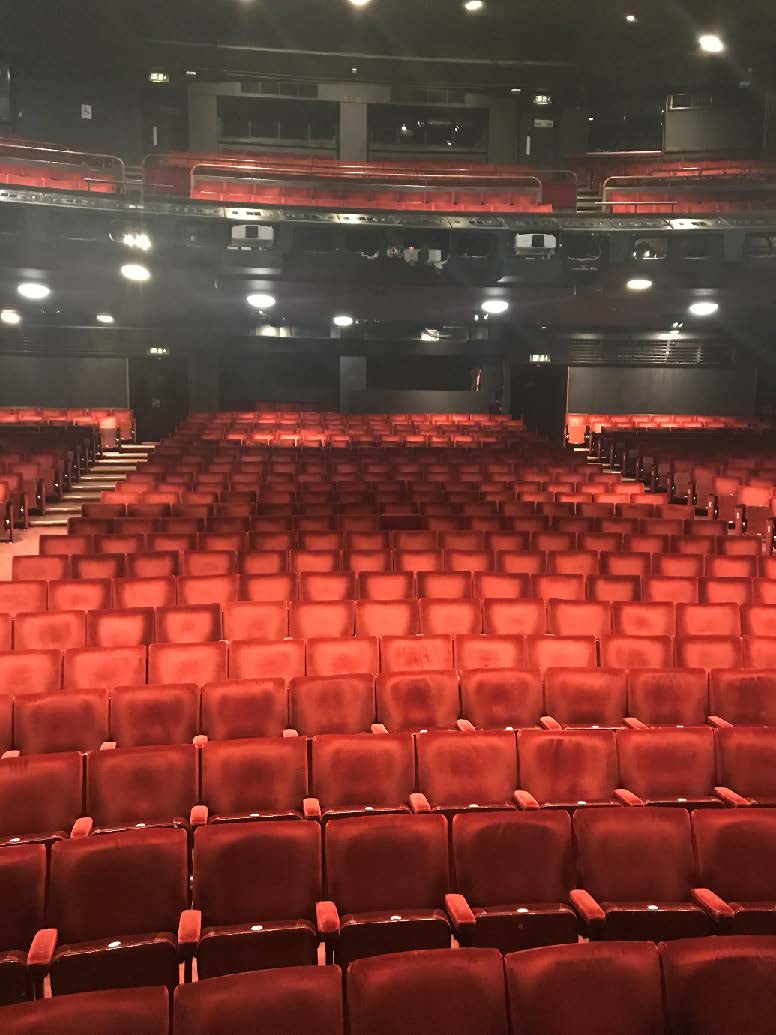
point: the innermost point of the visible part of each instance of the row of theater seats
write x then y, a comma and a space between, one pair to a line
580, 425
35, 720
252, 896
48, 796
721, 985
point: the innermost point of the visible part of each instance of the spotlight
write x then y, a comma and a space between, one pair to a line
711, 43
260, 301
137, 239
639, 284
359, 3
34, 291
11, 317
495, 306
631, 18
134, 271
474, 5
343, 320
105, 318
704, 308
516, 89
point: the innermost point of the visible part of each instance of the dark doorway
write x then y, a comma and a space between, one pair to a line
539, 397
158, 394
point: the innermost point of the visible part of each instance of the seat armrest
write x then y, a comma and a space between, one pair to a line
526, 801
11, 754
327, 919
731, 798
82, 827
108, 745
459, 911
199, 816
379, 727
419, 802
548, 723
712, 903
587, 907
634, 724
42, 952
718, 722
626, 797
200, 740
311, 808
464, 726
290, 733
189, 931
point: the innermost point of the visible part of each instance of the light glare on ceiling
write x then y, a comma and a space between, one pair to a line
10, 316
639, 284
261, 301
134, 271
495, 306
137, 239
343, 320
105, 318
474, 5
704, 308
711, 43
34, 291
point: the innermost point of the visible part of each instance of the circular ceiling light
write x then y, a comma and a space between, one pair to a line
11, 317
704, 308
34, 291
639, 284
261, 301
631, 18
105, 318
343, 320
474, 5
711, 43
134, 271
495, 306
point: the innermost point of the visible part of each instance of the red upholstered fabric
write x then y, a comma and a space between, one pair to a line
254, 778
40, 796
637, 652
271, 659
33, 671
461, 771
208, 589
256, 875
543, 652
198, 663
447, 585
333, 618
198, 623
746, 762
450, 616
387, 618
122, 1012
644, 619
144, 592
236, 709
418, 700
405, 653
22, 596
575, 697
668, 766
142, 785
363, 773
296, 1000
446, 990
346, 655
386, 586
49, 723
121, 627
104, 667
332, 704
514, 617
569, 767
501, 698
23, 889
167, 714
588, 989
668, 697
743, 698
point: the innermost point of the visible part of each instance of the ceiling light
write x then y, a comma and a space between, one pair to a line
191, 73
474, 5
639, 284
34, 291
105, 318
359, 3
711, 43
260, 301
704, 308
495, 306
134, 271
631, 18
343, 320
137, 239
591, 118
516, 89
354, 70
542, 99
10, 316
158, 77
677, 325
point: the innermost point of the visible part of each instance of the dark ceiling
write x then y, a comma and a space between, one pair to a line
584, 47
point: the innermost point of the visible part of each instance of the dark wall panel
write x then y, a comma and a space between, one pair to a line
718, 392
279, 377
62, 381
409, 401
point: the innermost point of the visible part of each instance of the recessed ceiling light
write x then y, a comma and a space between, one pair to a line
354, 70
343, 320
711, 43
260, 301
34, 291
474, 5
137, 239
10, 316
191, 73
105, 318
134, 271
516, 89
359, 3
495, 306
639, 284
704, 308
631, 18
591, 118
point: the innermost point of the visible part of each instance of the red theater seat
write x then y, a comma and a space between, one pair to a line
79, 595
743, 698
157, 565
268, 588
630, 861
502, 698
708, 652
438, 617
335, 618
596, 699
23, 889
256, 885
144, 592
327, 586
579, 618
41, 797
647, 619
387, 618
334, 656
151, 869
588, 988
670, 590
459, 993
127, 627
49, 723
44, 569
614, 588
96, 667
259, 659
637, 652
238, 709
22, 596
416, 653
332, 704
669, 766
544, 652
45, 630
668, 697
193, 624
121, 1012
167, 714
387, 878
254, 779
363, 773
458, 771
198, 663
208, 589
495, 586
746, 764
413, 700
486, 651
567, 768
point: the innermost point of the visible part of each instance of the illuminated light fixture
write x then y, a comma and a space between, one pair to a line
137, 239
639, 284
495, 306
260, 301
354, 70
105, 318
704, 308
359, 3
134, 271
711, 43
591, 118
191, 74
343, 320
539, 357
677, 325
516, 89
34, 291
542, 99
158, 77
11, 317
631, 18
474, 5
158, 350
114, 945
